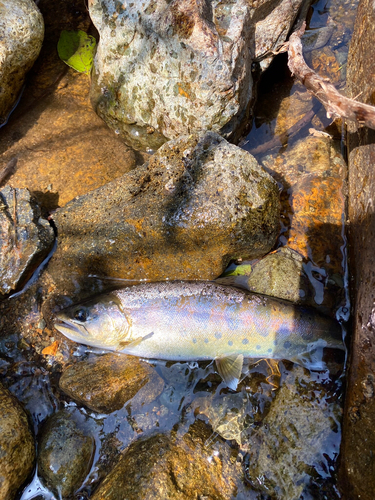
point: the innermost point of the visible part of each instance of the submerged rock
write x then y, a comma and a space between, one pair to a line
162, 467
22, 31
357, 464
298, 440
17, 449
66, 451
105, 383
25, 238
312, 172
196, 204
167, 68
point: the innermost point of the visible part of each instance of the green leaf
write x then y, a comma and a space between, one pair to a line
77, 49
242, 270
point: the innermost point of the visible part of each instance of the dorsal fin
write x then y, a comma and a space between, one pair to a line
230, 368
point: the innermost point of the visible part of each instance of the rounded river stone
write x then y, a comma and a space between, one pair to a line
17, 449
105, 383
66, 451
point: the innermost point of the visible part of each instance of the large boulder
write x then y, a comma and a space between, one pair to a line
168, 68
22, 31
357, 470
197, 203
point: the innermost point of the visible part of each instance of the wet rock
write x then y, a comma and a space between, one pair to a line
230, 415
22, 29
280, 274
25, 238
162, 467
66, 451
312, 173
17, 450
298, 439
357, 473
106, 383
326, 64
196, 204
292, 109
168, 68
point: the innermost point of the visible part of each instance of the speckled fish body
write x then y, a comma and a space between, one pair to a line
198, 321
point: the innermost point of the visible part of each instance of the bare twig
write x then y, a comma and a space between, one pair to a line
337, 105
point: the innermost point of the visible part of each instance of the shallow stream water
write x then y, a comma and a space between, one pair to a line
307, 161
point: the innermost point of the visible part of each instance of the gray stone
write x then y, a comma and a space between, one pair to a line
21, 37
17, 449
106, 383
280, 274
163, 68
66, 452
197, 203
25, 238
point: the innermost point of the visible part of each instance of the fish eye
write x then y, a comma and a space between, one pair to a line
81, 315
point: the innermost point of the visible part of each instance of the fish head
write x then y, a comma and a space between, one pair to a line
98, 323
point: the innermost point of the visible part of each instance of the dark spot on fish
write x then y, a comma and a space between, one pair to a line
218, 335
194, 341
206, 341
258, 347
269, 350
230, 342
233, 323
245, 341
275, 342
287, 344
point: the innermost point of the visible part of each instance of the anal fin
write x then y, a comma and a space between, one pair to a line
230, 368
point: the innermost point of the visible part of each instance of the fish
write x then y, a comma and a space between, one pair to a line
201, 320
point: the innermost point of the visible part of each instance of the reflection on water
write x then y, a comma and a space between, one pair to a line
286, 432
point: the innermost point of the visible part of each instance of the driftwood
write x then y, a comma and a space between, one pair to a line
336, 105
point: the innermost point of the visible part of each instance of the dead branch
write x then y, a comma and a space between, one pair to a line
336, 105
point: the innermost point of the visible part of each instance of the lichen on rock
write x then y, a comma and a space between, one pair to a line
168, 68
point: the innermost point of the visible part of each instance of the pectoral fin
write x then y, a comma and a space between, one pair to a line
128, 347
230, 368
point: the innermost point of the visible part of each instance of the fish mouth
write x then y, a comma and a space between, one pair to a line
70, 330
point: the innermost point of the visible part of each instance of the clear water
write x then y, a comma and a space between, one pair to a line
193, 391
